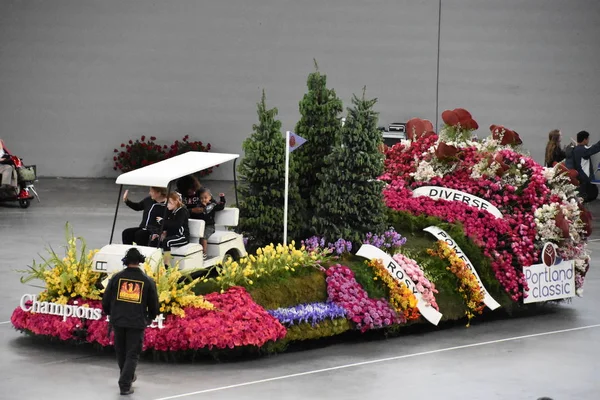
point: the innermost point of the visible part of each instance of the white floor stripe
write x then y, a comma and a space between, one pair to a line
4, 322
358, 364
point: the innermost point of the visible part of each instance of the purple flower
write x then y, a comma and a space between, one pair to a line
389, 241
312, 313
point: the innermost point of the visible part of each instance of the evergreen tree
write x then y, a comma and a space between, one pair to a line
350, 201
262, 180
320, 125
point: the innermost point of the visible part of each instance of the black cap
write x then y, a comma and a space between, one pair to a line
133, 256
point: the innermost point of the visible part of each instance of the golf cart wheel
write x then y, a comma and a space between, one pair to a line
231, 256
24, 203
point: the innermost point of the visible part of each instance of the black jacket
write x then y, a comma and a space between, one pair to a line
151, 209
578, 153
194, 202
176, 223
557, 156
209, 212
130, 299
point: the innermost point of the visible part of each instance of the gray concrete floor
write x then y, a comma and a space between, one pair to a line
553, 354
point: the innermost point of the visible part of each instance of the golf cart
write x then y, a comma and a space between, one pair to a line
223, 244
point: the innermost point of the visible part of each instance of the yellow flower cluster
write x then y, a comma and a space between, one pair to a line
173, 292
401, 297
468, 284
69, 276
268, 261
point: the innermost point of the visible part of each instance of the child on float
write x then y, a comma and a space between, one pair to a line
210, 207
189, 187
176, 232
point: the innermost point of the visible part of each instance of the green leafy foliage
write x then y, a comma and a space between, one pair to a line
365, 276
349, 196
320, 125
262, 180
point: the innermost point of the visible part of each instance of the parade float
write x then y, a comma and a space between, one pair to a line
442, 227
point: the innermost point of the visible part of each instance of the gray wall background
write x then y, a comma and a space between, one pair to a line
78, 77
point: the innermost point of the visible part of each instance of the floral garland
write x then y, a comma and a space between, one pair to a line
236, 321
312, 313
366, 313
401, 298
416, 274
468, 285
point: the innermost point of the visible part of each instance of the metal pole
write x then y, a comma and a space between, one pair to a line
437, 79
235, 184
115, 218
287, 181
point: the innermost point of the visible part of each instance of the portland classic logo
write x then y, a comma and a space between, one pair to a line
549, 254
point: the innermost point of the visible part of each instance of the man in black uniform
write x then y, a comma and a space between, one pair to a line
131, 301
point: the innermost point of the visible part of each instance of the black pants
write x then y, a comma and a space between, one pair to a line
169, 241
138, 235
128, 346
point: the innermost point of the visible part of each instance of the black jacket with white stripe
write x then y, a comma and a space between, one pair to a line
176, 222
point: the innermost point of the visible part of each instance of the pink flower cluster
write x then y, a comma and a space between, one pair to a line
424, 285
517, 190
366, 313
236, 321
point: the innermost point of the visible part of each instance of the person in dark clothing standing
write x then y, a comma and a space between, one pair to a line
176, 231
210, 208
153, 206
554, 153
579, 159
131, 301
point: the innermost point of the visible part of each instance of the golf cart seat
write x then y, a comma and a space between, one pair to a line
196, 232
224, 219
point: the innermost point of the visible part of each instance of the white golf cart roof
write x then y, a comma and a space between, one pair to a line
164, 172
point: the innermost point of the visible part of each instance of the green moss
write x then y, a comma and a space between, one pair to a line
306, 287
364, 276
306, 331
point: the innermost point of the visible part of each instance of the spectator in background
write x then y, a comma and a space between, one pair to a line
554, 153
579, 160
8, 174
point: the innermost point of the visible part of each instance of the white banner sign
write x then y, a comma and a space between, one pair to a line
371, 252
551, 280
442, 235
438, 192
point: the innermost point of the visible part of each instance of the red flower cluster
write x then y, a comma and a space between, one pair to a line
137, 154
236, 321
366, 313
183, 146
459, 116
140, 153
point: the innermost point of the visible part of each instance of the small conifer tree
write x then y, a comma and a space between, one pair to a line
349, 196
262, 179
320, 125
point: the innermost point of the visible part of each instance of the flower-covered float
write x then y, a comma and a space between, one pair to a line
441, 227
